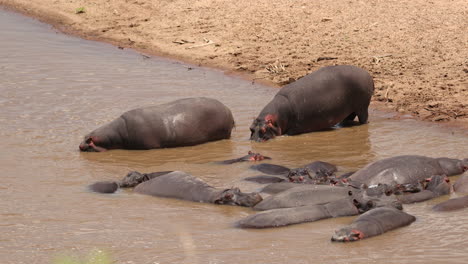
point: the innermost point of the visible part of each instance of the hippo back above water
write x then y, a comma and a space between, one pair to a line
315, 102
407, 169
183, 122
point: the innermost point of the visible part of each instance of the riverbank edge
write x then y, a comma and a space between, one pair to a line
65, 25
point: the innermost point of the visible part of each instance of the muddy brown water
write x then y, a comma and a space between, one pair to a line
56, 88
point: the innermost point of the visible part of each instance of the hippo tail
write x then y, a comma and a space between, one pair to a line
104, 187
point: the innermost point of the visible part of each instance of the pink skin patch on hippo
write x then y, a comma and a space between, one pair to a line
355, 235
90, 144
255, 156
270, 121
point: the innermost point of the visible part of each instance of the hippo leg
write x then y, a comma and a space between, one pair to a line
373, 223
363, 116
452, 204
297, 215
348, 121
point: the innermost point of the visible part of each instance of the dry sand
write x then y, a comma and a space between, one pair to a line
417, 50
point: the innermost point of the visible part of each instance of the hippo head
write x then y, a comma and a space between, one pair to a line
453, 166
347, 234
374, 197
235, 197
439, 184
132, 179
299, 175
90, 144
265, 129
252, 156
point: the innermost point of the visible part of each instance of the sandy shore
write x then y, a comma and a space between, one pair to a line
417, 50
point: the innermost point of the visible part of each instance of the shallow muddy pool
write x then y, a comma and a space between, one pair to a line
55, 88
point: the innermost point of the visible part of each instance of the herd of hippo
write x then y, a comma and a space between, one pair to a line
327, 97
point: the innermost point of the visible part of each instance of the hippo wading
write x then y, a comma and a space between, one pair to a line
183, 122
315, 102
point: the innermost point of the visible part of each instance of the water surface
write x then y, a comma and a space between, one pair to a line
55, 88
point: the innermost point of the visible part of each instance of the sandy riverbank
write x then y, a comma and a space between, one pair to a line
417, 51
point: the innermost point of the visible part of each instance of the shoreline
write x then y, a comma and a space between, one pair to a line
423, 105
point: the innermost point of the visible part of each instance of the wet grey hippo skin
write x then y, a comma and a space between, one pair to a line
183, 122
132, 179
461, 185
406, 169
180, 185
251, 156
437, 186
315, 102
317, 172
452, 204
373, 223
184, 186
311, 204
302, 214
308, 194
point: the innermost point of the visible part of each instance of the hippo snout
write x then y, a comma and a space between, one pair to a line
84, 146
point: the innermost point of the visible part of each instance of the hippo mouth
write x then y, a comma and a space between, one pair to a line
88, 146
345, 235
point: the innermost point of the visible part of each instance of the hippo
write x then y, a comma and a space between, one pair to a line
316, 172
251, 156
406, 169
296, 215
316, 102
436, 186
308, 203
183, 122
452, 204
308, 194
180, 185
373, 223
461, 185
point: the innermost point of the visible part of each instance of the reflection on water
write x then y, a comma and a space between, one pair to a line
55, 89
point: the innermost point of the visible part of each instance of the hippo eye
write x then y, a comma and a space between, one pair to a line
350, 193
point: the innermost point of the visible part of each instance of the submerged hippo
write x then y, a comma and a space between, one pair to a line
452, 204
309, 203
180, 185
317, 172
183, 122
373, 223
303, 195
251, 156
461, 185
436, 186
407, 169
302, 214
315, 102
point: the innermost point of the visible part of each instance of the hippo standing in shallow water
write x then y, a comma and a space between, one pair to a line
180, 185
315, 102
183, 122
